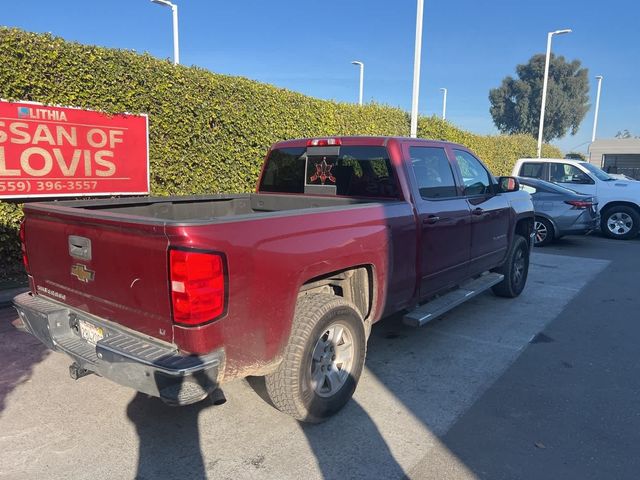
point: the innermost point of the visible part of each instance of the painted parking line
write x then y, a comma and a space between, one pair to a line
416, 384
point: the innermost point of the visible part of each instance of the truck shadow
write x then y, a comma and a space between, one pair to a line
344, 439
168, 438
19, 354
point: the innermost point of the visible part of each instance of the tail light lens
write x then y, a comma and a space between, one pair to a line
580, 204
23, 247
198, 292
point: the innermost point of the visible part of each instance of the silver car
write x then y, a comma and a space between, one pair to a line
559, 211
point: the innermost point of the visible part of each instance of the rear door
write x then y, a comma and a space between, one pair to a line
443, 220
490, 213
111, 268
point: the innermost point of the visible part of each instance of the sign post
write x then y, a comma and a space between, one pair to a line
48, 151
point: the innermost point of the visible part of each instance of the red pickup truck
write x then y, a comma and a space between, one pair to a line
175, 296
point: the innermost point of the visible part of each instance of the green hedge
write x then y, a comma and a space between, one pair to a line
208, 132
499, 152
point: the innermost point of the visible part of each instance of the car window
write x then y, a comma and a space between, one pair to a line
357, 171
567, 173
598, 172
532, 170
433, 172
529, 189
475, 177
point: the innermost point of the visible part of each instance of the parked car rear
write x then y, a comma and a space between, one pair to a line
559, 211
619, 200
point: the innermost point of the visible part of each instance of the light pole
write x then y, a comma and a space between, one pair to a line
544, 84
355, 62
416, 70
444, 103
595, 118
174, 11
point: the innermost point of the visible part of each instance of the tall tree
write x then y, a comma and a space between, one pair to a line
575, 156
515, 105
624, 134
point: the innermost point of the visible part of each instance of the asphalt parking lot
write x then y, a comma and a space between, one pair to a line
543, 386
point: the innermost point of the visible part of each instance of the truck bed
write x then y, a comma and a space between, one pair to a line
200, 209
129, 238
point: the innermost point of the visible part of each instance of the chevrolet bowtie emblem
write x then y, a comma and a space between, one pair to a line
82, 273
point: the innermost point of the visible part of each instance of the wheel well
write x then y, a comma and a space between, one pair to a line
524, 227
548, 219
354, 284
620, 204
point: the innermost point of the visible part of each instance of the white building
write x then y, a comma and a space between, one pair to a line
617, 155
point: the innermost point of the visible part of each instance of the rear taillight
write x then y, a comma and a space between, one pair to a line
324, 142
23, 247
198, 291
581, 204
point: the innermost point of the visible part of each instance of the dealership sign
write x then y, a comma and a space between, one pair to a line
56, 152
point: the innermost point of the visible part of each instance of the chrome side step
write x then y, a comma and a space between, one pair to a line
441, 305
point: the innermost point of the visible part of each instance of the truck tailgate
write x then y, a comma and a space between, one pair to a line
111, 268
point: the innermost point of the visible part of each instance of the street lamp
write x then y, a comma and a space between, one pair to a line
416, 70
544, 84
174, 11
595, 119
444, 103
355, 62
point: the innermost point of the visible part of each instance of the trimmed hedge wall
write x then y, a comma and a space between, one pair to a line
499, 152
208, 132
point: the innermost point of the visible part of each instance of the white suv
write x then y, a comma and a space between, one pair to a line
618, 200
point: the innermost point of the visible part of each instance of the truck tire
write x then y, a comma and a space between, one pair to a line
323, 360
620, 222
544, 232
515, 269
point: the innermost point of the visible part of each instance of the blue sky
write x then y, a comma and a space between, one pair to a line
307, 46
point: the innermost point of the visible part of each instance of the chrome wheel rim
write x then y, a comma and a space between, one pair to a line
518, 267
620, 223
541, 232
332, 360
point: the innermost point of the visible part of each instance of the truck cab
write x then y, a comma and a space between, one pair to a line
618, 200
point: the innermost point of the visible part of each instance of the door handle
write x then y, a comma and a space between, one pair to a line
477, 211
431, 219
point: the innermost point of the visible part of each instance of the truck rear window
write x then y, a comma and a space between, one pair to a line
355, 171
532, 170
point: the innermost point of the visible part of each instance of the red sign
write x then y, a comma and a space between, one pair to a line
67, 152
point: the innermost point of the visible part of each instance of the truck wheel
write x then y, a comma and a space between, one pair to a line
620, 222
323, 360
544, 233
515, 269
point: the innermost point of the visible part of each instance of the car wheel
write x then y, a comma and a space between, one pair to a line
323, 360
515, 269
544, 232
620, 222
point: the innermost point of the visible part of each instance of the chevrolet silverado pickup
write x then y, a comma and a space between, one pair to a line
175, 296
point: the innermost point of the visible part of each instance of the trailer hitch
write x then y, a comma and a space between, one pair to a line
76, 371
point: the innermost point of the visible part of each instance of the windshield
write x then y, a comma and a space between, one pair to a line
600, 174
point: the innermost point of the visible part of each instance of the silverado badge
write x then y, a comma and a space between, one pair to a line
82, 273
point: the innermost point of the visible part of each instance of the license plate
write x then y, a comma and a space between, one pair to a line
90, 332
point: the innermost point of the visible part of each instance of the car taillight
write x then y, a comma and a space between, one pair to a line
197, 286
23, 247
324, 142
579, 203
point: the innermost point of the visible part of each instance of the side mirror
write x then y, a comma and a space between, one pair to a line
508, 184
